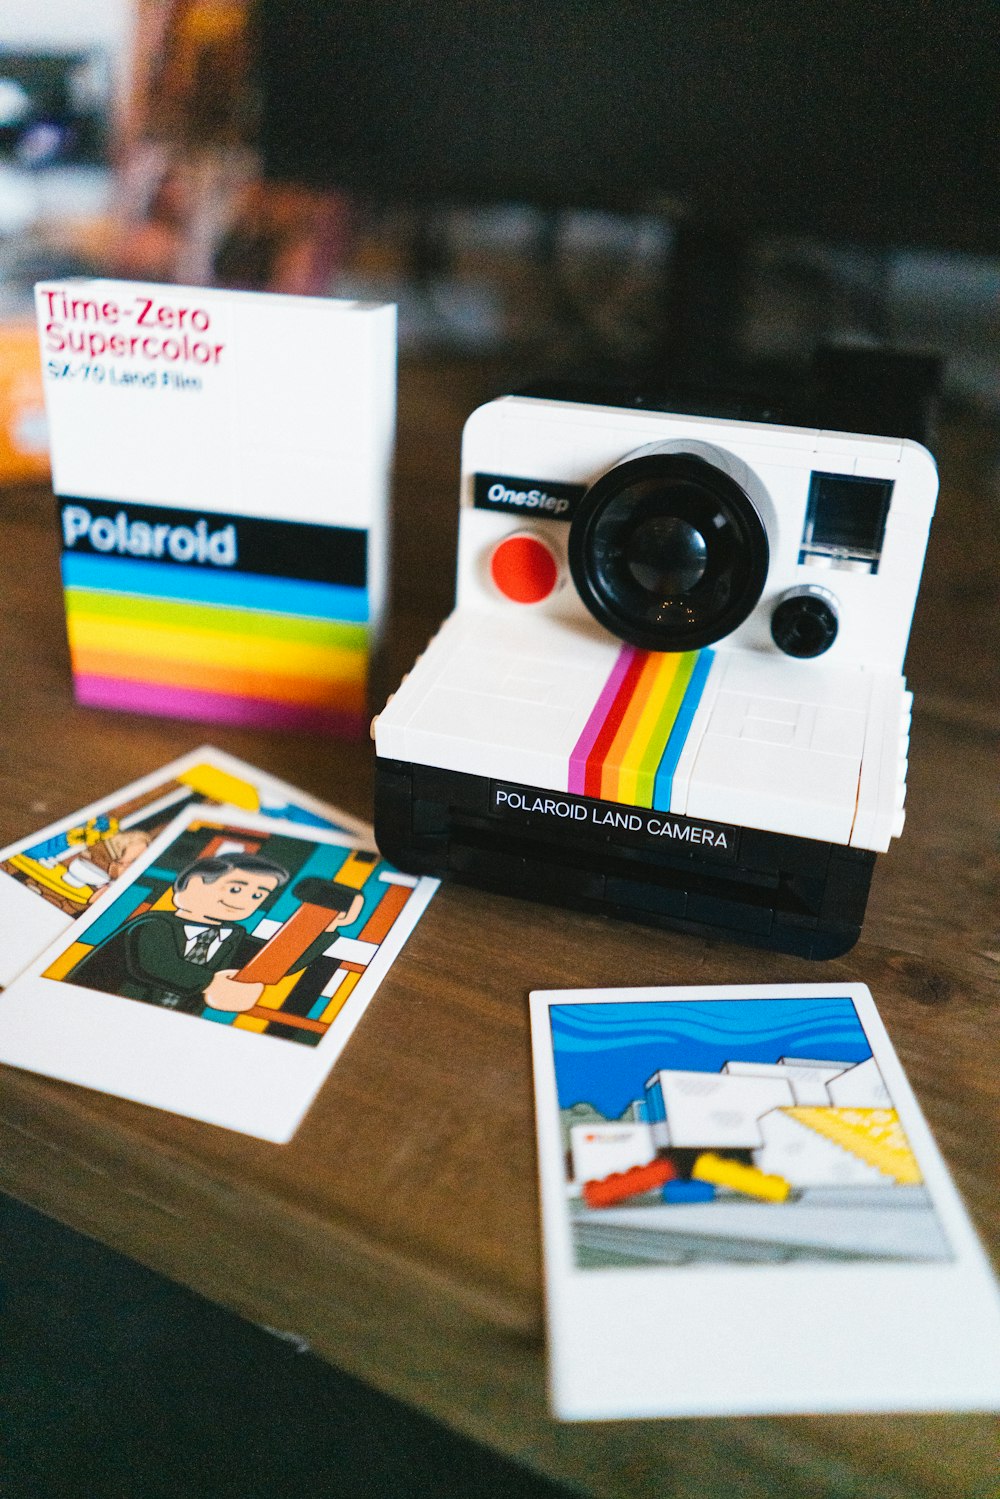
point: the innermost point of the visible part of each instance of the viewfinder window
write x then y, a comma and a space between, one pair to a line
845, 521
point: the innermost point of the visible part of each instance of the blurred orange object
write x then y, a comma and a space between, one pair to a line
24, 445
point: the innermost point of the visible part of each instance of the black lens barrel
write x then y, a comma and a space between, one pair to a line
668, 552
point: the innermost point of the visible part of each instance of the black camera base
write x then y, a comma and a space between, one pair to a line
770, 890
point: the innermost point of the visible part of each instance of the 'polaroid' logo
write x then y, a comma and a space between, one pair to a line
139, 538
552, 500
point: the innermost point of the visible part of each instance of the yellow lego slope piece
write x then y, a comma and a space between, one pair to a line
749, 1180
874, 1135
218, 785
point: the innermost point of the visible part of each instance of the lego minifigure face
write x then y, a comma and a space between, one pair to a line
230, 897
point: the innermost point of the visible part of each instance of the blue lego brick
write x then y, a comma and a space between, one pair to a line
681, 1191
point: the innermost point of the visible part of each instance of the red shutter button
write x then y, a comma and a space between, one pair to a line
524, 569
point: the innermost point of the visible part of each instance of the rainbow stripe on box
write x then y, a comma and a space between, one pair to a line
221, 645
632, 741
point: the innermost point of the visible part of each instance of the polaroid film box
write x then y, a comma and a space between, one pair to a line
221, 463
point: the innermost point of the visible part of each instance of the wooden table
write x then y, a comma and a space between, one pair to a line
399, 1231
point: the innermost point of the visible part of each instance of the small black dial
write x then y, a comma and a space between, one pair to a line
804, 622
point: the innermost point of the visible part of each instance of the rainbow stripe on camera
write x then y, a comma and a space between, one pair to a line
632, 741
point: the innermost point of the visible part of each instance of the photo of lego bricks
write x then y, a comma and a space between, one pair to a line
733, 1131
266, 932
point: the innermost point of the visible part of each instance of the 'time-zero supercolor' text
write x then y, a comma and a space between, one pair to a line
145, 328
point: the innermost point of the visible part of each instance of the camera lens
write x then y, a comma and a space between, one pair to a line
666, 555
668, 552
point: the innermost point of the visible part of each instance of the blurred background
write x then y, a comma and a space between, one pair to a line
586, 185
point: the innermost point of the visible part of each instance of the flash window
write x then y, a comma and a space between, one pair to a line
845, 521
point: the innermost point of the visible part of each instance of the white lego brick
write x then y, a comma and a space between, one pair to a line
806, 1158
681, 784
830, 441
892, 775
860, 1087
882, 767
779, 710
805, 725
729, 713
509, 704
799, 787
768, 731
419, 680
598, 1149
713, 1110
822, 682
829, 726
775, 787
808, 1082
397, 877
461, 730
835, 1068
459, 715
839, 731
863, 833
538, 690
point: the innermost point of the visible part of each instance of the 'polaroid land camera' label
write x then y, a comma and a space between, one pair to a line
578, 814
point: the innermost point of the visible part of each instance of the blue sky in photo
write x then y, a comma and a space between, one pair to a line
604, 1053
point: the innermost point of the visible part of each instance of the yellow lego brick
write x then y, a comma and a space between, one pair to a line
710, 1167
874, 1135
218, 785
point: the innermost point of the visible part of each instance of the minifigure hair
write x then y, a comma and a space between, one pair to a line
210, 870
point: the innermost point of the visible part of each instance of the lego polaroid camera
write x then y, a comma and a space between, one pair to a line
671, 688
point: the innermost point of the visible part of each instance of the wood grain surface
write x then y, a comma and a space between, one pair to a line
399, 1231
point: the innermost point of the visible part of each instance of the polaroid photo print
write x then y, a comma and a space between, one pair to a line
224, 974
744, 1211
52, 878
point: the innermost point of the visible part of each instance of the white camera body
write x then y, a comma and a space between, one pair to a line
685, 617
